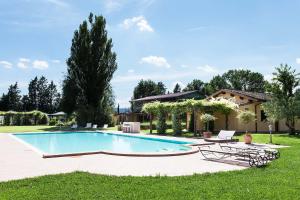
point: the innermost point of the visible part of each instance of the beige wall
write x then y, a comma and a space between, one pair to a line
235, 124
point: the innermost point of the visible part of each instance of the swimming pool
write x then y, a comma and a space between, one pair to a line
72, 143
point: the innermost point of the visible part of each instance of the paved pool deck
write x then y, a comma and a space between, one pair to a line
18, 161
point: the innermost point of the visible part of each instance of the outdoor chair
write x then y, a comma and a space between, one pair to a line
88, 125
95, 126
223, 137
74, 126
105, 126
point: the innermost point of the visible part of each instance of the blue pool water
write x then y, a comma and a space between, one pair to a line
79, 142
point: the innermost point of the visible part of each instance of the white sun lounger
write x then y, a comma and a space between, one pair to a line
95, 126
88, 125
223, 137
105, 126
74, 126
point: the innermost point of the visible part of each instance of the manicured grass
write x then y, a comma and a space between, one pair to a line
279, 180
14, 129
21, 129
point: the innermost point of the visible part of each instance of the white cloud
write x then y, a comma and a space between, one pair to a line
156, 60
24, 60
40, 64
6, 64
208, 69
112, 5
131, 71
140, 22
298, 60
55, 61
268, 77
23, 63
59, 3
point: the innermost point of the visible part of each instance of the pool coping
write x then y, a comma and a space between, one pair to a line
193, 146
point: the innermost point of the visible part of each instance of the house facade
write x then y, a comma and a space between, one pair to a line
247, 101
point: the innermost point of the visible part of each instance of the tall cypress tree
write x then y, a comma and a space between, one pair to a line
14, 97
91, 66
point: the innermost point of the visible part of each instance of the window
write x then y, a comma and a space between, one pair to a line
246, 109
263, 116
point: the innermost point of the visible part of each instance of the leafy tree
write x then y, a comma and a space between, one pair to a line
161, 88
25, 103
245, 80
14, 97
285, 102
69, 100
53, 98
177, 88
196, 84
43, 94
33, 94
4, 102
246, 117
218, 82
148, 88
206, 119
91, 66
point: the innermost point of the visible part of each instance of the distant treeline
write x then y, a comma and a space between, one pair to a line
42, 96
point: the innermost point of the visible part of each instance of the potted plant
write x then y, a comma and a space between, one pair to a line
206, 118
246, 117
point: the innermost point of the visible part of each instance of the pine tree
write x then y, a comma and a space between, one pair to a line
177, 88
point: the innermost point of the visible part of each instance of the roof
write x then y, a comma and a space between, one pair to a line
166, 96
259, 96
58, 114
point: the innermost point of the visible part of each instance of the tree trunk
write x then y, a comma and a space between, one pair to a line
290, 123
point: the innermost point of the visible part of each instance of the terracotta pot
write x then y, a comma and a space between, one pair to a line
207, 134
248, 138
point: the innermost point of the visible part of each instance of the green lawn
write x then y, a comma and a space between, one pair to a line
14, 129
279, 180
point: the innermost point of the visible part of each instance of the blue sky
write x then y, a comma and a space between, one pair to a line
163, 40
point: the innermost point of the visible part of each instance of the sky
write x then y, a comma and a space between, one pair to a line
163, 40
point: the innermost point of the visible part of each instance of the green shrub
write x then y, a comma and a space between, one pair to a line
24, 118
44, 120
206, 119
7, 120
59, 123
176, 123
161, 125
53, 121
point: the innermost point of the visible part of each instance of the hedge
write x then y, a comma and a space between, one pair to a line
35, 117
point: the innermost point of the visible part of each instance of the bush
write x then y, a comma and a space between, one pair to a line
59, 123
44, 120
53, 121
176, 123
24, 118
161, 125
206, 118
